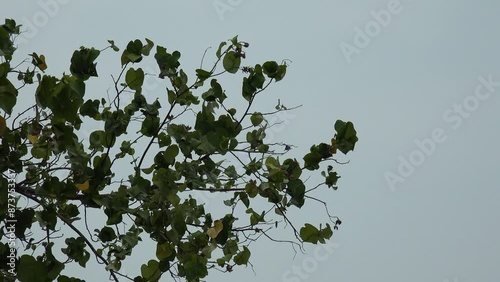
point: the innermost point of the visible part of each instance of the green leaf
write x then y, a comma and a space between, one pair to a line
234, 40
217, 90
255, 217
272, 164
324, 150
247, 89
71, 210
209, 95
151, 272
171, 153
168, 63
340, 127
41, 151
47, 217
231, 171
256, 118
164, 139
232, 144
150, 125
257, 80
280, 74
292, 168
134, 78
133, 52
64, 278
116, 122
76, 250
210, 142
195, 268
53, 266
82, 63
325, 233
66, 98
207, 250
179, 224
6, 45
230, 248
251, 189
107, 234
113, 46
242, 257
312, 159
296, 189
146, 49
244, 199
231, 62
8, 95
270, 68
108, 140
44, 91
114, 216
273, 70
24, 220
31, 270
102, 164
309, 233
91, 109
95, 139
164, 251
4, 69
100, 138
203, 74
346, 138
11, 26
331, 179
219, 50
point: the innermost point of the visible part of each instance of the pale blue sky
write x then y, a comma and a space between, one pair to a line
442, 222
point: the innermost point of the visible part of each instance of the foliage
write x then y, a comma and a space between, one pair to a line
167, 155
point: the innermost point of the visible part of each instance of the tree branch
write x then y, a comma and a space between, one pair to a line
65, 220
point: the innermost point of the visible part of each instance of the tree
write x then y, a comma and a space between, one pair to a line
166, 154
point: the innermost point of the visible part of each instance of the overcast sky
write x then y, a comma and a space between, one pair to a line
420, 80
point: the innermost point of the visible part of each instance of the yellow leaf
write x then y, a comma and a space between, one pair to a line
33, 138
83, 186
42, 65
214, 231
333, 148
39, 61
3, 126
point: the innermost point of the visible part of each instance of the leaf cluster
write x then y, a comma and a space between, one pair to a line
166, 158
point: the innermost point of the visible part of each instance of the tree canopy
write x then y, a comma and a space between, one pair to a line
141, 165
